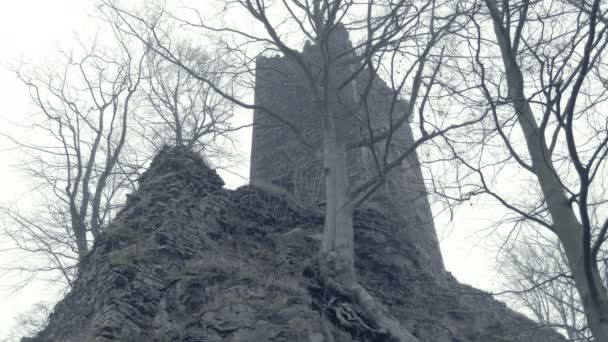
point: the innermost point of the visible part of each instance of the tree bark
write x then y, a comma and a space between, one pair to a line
336, 259
566, 225
80, 234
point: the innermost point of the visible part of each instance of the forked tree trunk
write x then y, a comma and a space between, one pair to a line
566, 225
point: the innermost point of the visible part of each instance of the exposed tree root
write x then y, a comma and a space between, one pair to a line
354, 309
361, 312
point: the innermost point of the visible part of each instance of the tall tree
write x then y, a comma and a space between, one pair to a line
538, 69
84, 104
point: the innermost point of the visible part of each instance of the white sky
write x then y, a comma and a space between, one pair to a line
31, 28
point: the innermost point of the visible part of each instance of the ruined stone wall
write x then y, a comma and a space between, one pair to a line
279, 157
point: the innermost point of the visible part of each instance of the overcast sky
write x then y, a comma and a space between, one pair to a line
29, 29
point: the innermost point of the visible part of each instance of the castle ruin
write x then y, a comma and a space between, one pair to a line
280, 158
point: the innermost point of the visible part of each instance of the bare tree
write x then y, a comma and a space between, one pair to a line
396, 40
536, 273
102, 111
541, 152
78, 137
186, 112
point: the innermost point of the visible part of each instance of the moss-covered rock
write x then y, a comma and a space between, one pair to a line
189, 261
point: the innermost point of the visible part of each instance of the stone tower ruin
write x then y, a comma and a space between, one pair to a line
279, 158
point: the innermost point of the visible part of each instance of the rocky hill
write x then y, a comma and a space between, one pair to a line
187, 260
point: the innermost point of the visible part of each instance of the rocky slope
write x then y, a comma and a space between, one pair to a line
189, 261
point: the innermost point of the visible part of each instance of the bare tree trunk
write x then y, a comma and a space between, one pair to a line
593, 295
565, 223
336, 259
80, 234
337, 250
